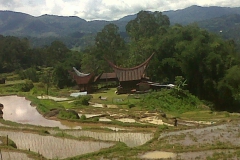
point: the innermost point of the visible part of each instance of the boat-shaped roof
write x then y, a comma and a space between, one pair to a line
130, 74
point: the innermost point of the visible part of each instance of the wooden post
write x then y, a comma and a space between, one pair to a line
7, 140
1, 153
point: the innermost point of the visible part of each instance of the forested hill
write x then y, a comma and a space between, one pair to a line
227, 26
74, 31
197, 13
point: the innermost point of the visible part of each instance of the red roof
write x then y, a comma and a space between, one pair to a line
130, 74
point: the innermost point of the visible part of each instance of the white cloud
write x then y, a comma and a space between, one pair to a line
103, 9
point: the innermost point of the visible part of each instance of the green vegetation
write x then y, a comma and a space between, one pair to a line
82, 100
27, 86
67, 114
203, 67
43, 105
7, 142
171, 100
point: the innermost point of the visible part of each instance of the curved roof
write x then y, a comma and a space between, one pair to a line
130, 74
81, 78
80, 74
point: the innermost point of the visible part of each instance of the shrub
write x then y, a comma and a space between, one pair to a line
83, 100
30, 74
95, 119
68, 114
27, 86
83, 117
131, 105
171, 100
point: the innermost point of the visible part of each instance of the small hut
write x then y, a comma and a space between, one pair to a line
129, 77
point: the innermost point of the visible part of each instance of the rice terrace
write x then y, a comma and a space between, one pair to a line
164, 92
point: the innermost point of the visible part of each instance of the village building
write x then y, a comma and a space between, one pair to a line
83, 80
89, 82
129, 78
106, 79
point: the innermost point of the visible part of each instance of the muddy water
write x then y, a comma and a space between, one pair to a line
126, 120
14, 155
53, 147
154, 120
18, 109
158, 155
129, 138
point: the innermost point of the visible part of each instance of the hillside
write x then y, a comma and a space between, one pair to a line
228, 26
197, 13
76, 32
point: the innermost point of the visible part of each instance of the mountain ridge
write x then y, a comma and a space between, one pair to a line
59, 27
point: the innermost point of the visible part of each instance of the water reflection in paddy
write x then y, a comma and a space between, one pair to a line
14, 155
18, 109
131, 139
53, 147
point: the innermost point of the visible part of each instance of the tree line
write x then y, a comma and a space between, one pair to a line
209, 64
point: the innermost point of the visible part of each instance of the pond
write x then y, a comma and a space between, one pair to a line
18, 109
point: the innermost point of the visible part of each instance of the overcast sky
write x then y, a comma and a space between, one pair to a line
104, 9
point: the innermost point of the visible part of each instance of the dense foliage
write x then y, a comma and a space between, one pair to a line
68, 114
82, 100
171, 100
202, 58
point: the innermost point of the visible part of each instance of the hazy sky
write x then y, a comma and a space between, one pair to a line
104, 9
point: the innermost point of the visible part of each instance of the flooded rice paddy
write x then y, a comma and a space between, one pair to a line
131, 139
54, 147
154, 120
53, 98
11, 155
18, 109
105, 135
158, 155
126, 120
201, 155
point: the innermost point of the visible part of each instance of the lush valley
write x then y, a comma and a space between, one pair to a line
198, 118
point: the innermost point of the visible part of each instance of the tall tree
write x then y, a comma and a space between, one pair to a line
110, 44
12, 51
147, 24
145, 31
228, 90
56, 52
